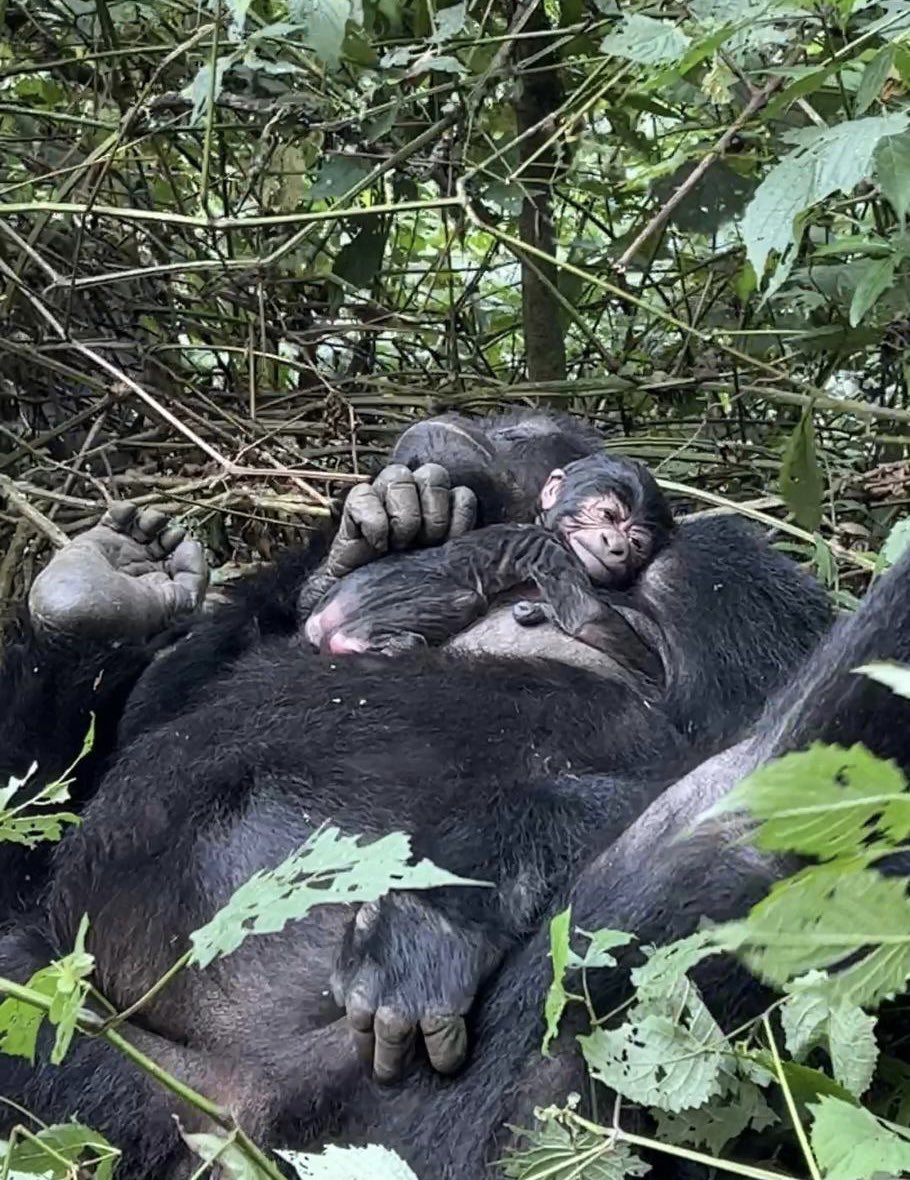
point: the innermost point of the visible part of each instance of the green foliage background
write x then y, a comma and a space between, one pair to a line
248, 238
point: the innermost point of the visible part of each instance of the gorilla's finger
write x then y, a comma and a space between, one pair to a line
396, 487
395, 1038
360, 1018
190, 573
365, 510
446, 1040
530, 614
433, 489
463, 511
171, 538
149, 523
119, 515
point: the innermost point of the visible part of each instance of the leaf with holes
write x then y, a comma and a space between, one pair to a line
826, 801
329, 869
821, 918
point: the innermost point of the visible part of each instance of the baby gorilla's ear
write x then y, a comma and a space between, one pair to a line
551, 489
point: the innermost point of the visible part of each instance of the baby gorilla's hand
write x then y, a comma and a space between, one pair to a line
403, 968
400, 509
126, 578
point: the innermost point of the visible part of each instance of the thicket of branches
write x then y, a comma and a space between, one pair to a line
242, 241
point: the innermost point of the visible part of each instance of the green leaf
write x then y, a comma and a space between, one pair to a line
741, 1107
826, 801
801, 483
359, 261
874, 77
847, 1033
328, 869
337, 176
892, 171
599, 947
201, 92
559, 956
878, 276
325, 22
897, 541
647, 41
893, 676
825, 162
656, 1062
850, 1143
557, 1152
221, 1149
822, 917
349, 1163
54, 1151
667, 965
238, 10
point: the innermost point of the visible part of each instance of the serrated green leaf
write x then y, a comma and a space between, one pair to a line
742, 1107
600, 943
801, 483
824, 162
647, 41
893, 676
349, 1163
875, 75
810, 1018
850, 1143
337, 176
667, 965
232, 1163
877, 277
892, 171
853, 1048
55, 1149
826, 801
556, 995
556, 1152
329, 869
821, 917
656, 1062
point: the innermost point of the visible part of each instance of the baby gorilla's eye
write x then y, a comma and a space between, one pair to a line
638, 539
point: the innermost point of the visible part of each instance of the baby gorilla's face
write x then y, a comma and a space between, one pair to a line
603, 508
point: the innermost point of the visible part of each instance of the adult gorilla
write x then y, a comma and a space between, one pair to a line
234, 744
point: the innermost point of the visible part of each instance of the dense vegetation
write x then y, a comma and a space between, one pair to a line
242, 241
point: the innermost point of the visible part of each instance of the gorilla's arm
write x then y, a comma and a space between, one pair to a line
96, 616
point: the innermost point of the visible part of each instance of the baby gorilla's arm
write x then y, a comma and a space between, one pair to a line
431, 596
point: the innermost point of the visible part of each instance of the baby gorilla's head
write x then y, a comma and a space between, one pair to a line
611, 514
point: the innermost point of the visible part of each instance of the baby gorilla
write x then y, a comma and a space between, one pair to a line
598, 523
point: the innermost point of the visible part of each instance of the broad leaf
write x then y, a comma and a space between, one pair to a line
743, 1106
820, 918
359, 261
647, 41
809, 1018
874, 76
893, 676
559, 956
656, 1062
850, 1143
826, 162
898, 538
325, 22
337, 176
349, 1163
878, 276
825, 801
329, 869
892, 171
557, 1152
54, 1151
801, 483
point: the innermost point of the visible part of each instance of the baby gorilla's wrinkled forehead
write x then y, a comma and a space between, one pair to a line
616, 481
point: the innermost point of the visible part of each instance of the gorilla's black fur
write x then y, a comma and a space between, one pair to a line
233, 745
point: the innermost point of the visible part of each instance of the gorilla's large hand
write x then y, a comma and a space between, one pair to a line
403, 967
126, 578
399, 509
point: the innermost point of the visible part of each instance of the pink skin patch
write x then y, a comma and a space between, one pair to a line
324, 631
